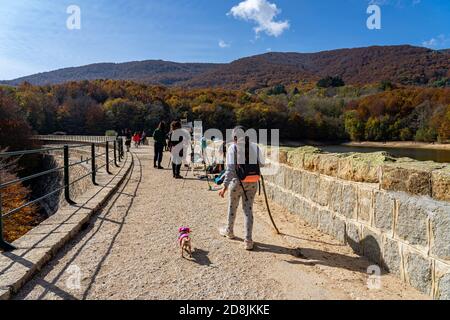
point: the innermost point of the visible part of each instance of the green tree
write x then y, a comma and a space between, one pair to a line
354, 126
330, 82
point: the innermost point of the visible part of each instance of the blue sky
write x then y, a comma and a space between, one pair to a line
34, 37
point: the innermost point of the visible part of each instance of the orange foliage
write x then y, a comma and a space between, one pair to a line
13, 197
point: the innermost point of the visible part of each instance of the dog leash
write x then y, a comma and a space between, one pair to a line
267, 205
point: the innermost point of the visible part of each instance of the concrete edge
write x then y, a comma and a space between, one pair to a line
35, 249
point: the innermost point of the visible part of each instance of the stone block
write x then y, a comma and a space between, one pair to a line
311, 215
442, 281
297, 181
5, 294
282, 156
412, 220
349, 201
16, 276
418, 271
353, 236
372, 245
338, 229
365, 204
323, 193
384, 211
329, 164
298, 207
335, 202
298, 156
51, 241
311, 161
410, 177
391, 255
331, 225
310, 185
279, 177
440, 184
362, 167
440, 232
289, 201
288, 177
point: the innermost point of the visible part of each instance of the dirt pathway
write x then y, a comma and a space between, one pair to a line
129, 251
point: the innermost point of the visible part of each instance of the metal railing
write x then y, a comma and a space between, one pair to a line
77, 139
118, 156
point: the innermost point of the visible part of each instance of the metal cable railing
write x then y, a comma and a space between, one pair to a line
117, 156
77, 139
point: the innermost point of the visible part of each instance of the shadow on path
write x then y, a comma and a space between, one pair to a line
201, 257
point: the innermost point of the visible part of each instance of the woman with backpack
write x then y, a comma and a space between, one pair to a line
242, 175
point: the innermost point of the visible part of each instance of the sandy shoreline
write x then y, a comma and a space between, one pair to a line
399, 144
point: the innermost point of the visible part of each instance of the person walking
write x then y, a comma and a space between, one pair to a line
128, 139
244, 159
136, 139
143, 138
159, 136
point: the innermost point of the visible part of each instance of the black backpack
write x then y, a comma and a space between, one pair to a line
248, 172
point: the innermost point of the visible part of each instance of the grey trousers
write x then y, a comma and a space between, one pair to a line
236, 194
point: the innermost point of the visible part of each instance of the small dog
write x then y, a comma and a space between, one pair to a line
184, 241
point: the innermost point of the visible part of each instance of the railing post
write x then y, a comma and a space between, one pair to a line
120, 148
66, 175
107, 157
3, 244
93, 166
115, 153
119, 157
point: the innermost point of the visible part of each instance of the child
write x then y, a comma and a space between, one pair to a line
137, 139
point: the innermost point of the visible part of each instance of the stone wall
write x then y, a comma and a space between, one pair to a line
394, 174
408, 235
76, 172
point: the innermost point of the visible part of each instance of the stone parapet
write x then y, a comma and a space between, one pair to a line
408, 235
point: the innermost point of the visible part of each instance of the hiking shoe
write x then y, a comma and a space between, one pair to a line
225, 233
248, 245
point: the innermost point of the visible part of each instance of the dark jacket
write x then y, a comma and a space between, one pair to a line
160, 137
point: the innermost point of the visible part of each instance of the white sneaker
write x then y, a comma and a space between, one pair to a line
248, 245
225, 233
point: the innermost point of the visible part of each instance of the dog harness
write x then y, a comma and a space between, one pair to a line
184, 234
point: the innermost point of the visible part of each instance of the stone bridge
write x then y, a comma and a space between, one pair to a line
351, 229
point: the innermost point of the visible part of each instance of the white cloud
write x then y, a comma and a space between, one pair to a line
441, 41
223, 44
263, 13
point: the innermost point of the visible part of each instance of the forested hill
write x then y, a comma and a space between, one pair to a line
149, 72
400, 64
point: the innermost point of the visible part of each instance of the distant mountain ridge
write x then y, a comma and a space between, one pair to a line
402, 64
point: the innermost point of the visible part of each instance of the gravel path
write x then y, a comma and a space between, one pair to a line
129, 251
